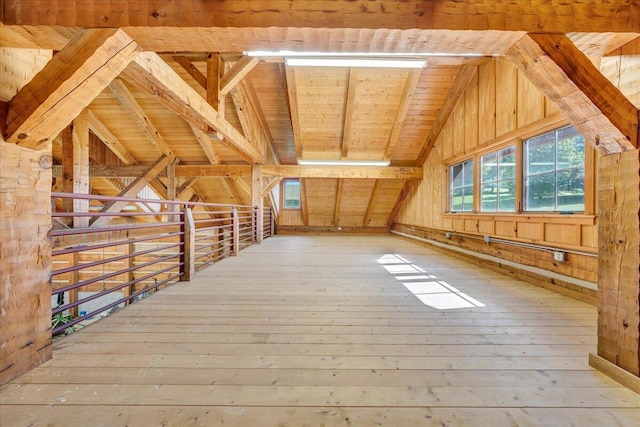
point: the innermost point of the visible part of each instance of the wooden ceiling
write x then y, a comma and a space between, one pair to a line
283, 113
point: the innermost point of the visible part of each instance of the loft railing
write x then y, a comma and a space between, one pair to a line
98, 269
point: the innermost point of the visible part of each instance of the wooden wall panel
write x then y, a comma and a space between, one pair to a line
25, 293
519, 109
487, 102
506, 97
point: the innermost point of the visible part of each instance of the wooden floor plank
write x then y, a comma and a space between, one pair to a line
325, 330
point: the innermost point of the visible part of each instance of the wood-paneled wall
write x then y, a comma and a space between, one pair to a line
501, 105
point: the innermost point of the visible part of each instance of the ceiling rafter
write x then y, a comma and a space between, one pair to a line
292, 98
348, 113
413, 77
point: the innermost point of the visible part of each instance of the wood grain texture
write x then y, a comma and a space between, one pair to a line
265, 349
66, 85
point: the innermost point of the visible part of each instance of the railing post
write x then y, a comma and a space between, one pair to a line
272, 220
235, 231
189, 247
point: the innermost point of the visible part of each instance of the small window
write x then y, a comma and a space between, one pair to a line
498, 181
291, 194
554, 171
461, 187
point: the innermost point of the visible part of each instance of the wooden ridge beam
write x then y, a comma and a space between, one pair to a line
413, 77
138, 115
66, 85
237, 72
507, 15
131, 190
343, 172
152, 74
594, 105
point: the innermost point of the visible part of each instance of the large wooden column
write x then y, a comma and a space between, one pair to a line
80, 138
257, 200
25, 261
618, 275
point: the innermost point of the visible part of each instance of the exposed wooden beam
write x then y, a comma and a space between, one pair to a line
80, 137
413, 77
267, 189
109, 139
192, 70
508, 15
187, 184
348, 113
215, 71
66, 85
233, 191
292, 97
408, 189
594, 105
67, 166
205, 142
131, 190
336, 212
242, 185
350, 172
303, 202
151, 73
172, 186
263, 125
237, 72
463, 78
257, 201
372, 204
213, 170
138, 115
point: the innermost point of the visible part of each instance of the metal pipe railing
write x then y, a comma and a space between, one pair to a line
177, 238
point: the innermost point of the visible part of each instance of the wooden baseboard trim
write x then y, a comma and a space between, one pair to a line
615, 372
331, 230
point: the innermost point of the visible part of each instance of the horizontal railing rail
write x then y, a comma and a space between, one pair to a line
103, 267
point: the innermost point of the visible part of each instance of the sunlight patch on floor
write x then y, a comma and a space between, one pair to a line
432, 292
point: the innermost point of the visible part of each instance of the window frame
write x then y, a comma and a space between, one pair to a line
517, 139
283, 198
498, 180
555, 171
451, 189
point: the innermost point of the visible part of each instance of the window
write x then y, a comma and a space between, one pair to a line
461, 187
554, 171
498, 181
291, 194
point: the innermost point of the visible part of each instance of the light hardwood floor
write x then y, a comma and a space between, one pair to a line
324, 331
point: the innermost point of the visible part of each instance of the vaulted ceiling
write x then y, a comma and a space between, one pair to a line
263, 111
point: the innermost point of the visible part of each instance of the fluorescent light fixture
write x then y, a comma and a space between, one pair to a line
414, 55
356, 62
343, 162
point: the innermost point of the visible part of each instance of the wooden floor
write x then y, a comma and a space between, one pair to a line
326, 331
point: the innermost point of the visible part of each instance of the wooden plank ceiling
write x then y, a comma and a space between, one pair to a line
287, 113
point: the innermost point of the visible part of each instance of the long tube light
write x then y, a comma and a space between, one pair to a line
356, 62
407, 55
343, 162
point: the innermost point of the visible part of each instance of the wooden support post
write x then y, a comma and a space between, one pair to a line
189, 250
67, 167
618, 276
80, 137
235, 249
171, 191
257, 201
